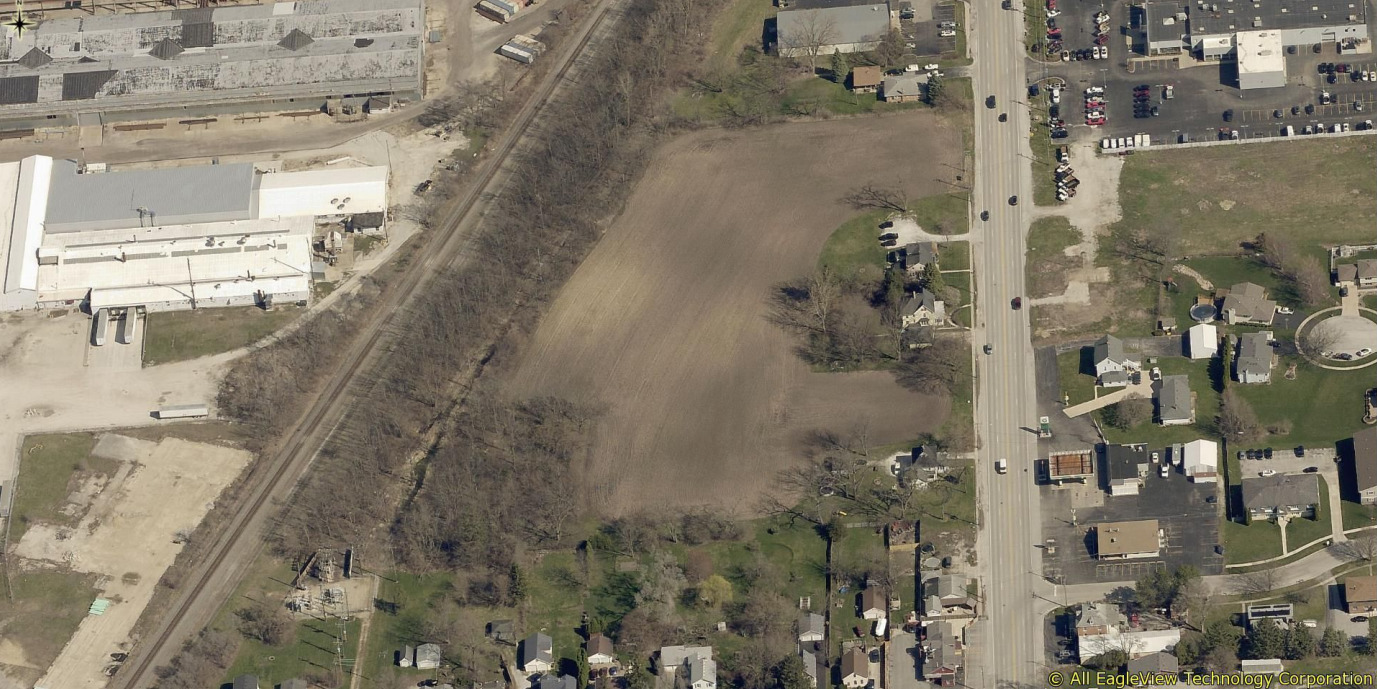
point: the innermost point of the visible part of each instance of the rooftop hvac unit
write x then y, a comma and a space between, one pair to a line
334, 201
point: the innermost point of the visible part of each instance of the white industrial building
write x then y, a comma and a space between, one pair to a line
1261, 60
1200, 461
168, 238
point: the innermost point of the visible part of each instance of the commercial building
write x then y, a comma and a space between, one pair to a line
168, 238
822, 27
1261, 60
1136, 644
1200, 461
204, 62
1074, 465
1256, 33
1127, 540
1125, 468
1281, 613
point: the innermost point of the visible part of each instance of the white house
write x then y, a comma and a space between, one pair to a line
1200, 461
1110, 357
1254, 362
811, 628
923, 308
872, 604
1202, 341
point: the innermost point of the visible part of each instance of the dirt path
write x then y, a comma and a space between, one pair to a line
665, 323
1194, 274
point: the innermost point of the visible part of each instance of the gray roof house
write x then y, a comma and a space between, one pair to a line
1365, 465
1110, 356
1098, 618
941, 653
702, 673
1363, 273
246, 682
551, 681
1248, 303
1254, 362
295, 683
428, 656
829, 26
1283, 495
1159, 663
923, 308
1174, 407
537, 653
810, 666
811, 627
903, 88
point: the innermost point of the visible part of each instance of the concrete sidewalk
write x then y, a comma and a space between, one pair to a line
1143, 389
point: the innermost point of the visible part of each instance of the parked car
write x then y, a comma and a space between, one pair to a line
1363, 352
1060, 134
1228, 115
1285, 310
1211, 499
1311, 470
1300, 450
1267, 452
1267, 472
888, 236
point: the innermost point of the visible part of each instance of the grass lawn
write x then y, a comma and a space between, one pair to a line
555, 603
741, 24
1225, 195
955, 256
181, 335
1351, 662
1300, 532
961, 282
44, 610
1047, 261
413, 597
1320, 406
1356, 515
1076, 386
365, 243
799, 551
1250, 542
853, 249
945, 214
859, 545
52, 467
313, 652
813, 93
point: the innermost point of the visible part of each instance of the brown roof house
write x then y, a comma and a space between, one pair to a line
601, 652
872, 604
1362, 273
855, 668
866, 79
1360, 594
1248, 303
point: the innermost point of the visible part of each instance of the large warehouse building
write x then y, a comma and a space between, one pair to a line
822, 27
201, 62
168, 238
1255, 34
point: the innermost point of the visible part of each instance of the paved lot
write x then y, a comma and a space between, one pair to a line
1203, 91
922, 33
1190, 523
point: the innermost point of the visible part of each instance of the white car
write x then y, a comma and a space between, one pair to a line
1156, 457
947, 34
1362, 352
1163, 471
1056, 95
1267, 472
1285, 310
931, 66
1094, 90
1053, 13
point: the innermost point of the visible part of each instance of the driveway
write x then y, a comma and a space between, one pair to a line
902, 657
1143, 389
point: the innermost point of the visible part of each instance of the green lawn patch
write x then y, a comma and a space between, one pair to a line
180, 335
963, 313
945, 214
1076, 386
854, 248
555, 603
312, 653
1047, 261
404, 603
955, 256
1250, 542
1301, 532
44, 610
52, 467
1319, 407
1356, 515
741, 24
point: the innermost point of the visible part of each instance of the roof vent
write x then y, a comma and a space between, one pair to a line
296, 40
166, 49
35, 58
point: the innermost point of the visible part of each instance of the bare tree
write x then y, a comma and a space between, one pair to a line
809, 36
1318, 339
1362, 547
1236, 417
875, 196
1276, 252
1311, 280
1259, 582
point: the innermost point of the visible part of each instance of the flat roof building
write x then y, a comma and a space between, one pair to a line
1127, 540
1074, 465
1261, 60
1125, 467
828, 26
189, 63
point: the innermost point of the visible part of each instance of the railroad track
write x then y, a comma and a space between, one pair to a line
240, 541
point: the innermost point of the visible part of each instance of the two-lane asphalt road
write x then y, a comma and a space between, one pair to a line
1008, 640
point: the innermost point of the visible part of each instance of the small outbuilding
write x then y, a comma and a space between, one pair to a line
1202, 341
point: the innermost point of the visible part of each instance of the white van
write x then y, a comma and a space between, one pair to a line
1288, 131
1002, 465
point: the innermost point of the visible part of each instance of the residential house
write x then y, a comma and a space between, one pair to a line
537, 654
1254, 361
674, 659
1125, 468
1365, 465
1127, 540
904, 88
1096, 619
1362, 274
872, 604
1167, 325
1202, 341
295, 683
919, 255
1248, 303
1136, 643
501, 631
428, 657
1200, 461
1360, 594
405, 656
1175, 405
551, 680
1110, 356
812, 628
919, 466
923, 308
367, 222
947, 596
246, 682
822, 27
866, 79
1281, 613
902, 535
1283, 495
600, 651
855, 668
1115, 379
1268, 666
942, 650
810, 666
702, 673
1157, 664
1073, 465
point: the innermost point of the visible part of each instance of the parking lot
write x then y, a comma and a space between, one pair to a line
1203, 91
1189, 522
924, 26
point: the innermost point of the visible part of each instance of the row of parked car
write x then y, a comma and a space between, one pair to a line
1095, 106
1321, 128
1331, 72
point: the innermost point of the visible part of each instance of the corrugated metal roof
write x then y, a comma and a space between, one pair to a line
198, 34
17, 90
83, 85
179, 195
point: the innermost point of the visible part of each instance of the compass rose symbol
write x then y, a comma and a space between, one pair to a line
19, 24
